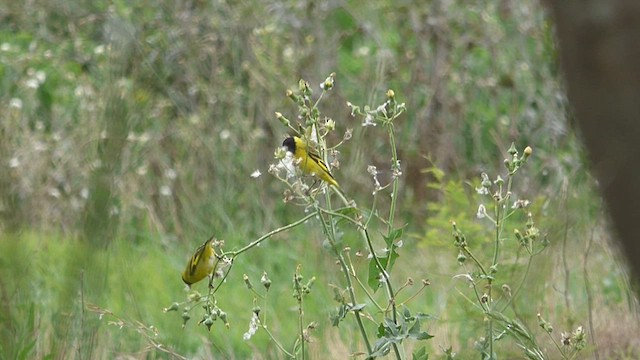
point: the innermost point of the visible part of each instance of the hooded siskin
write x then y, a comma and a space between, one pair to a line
310, 161
201, 265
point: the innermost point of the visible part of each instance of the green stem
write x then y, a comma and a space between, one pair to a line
475, 260
491, 339
345, 270
365, 235
256, 242
524, 277
394, 191
301, 324
275, 341
392, 211
343, 216
499, 221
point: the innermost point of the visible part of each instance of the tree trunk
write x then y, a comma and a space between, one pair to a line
600, 56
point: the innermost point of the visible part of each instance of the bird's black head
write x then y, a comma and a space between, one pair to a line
290, 143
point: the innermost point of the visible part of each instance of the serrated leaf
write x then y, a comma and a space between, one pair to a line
393, 255
423, 316
381, 331
423, 336
406, 312
381, 347
338, 316
391, 327
416, 334
393, 236
420, 354
373, 280
415, 329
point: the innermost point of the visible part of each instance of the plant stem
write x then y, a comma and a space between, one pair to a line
345, 270
365, 235
499, 206
254, 243
275, 341
517, 290
301, 324
475, 260
394, 191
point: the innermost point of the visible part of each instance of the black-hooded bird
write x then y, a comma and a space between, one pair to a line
309, 160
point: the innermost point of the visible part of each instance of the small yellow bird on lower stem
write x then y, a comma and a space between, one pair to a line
202, 264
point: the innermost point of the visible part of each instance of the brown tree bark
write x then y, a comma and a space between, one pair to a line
600, 56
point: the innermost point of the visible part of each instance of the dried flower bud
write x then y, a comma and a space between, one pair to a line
304, 88
173, 307
247, 281
328, 82
208, 321
330, 125
461, 257
544, 324
282, 119
506, 289
265, 281
391, 94
347, 134
293, 97
185, 317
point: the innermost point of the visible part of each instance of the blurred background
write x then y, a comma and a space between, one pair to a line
129, 131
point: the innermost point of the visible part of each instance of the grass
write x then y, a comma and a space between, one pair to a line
193, 88
135, 281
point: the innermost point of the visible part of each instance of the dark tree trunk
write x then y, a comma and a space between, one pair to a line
600, 56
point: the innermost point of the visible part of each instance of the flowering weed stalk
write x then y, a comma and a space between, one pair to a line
482, 275
394, 326
332, 208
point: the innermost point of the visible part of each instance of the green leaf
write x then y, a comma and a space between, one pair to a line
358, 307
391, 327
406, 312
420, 354
394, 235
381, 347
416, 334
374, 273
373, 280
415, 329
423, 336
381, 331
393, 255
422, 316
340, 314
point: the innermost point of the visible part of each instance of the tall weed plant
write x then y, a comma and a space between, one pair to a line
385, 321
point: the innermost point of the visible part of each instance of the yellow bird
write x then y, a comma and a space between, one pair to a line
309, 161
202, 263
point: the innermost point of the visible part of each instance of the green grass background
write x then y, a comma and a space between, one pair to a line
129, 129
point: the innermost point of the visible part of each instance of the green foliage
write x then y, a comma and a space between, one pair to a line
453, 204
147, 118
390, 332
